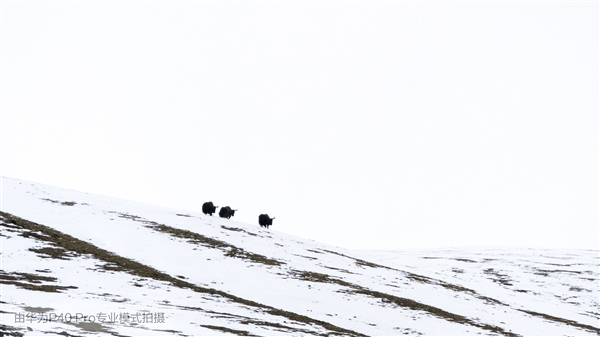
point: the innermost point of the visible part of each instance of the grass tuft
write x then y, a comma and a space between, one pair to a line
32, 282
228, 330
53, 253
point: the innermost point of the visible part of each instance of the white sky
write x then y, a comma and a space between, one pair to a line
378, 125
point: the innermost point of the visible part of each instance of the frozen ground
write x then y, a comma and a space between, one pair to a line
77, 264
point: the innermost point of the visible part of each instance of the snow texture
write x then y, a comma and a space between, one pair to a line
76, 264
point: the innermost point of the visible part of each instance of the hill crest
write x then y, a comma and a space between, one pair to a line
160, 271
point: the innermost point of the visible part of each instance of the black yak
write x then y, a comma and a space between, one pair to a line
265, 221
209, 208
227, 212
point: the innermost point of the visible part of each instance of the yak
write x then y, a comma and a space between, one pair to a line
209, 208
227, 212
265, 221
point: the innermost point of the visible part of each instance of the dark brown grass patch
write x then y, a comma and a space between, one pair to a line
52, 253
318, 277
228, 330
564, 321
32, 282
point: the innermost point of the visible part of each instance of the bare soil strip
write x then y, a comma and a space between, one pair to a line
564, 321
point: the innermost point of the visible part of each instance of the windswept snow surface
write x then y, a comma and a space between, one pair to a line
81, 264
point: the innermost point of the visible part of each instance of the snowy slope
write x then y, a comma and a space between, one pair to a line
76, 264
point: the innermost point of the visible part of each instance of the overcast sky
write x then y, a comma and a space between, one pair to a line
374, 125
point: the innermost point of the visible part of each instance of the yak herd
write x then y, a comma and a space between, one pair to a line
227, 212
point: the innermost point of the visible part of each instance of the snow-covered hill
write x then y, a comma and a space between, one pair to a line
77, 264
